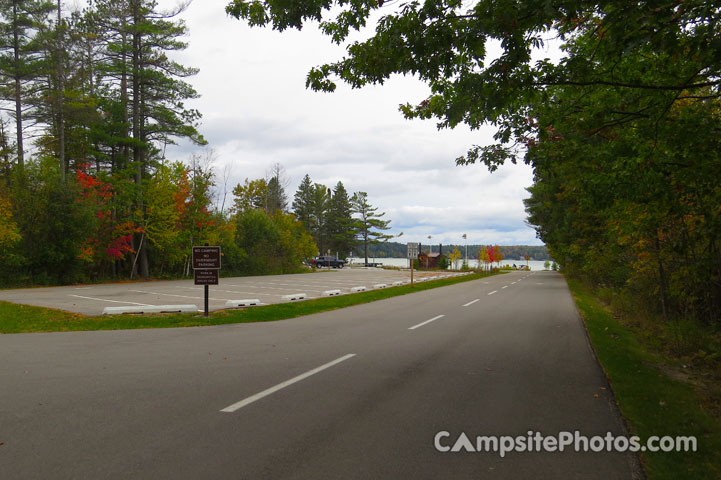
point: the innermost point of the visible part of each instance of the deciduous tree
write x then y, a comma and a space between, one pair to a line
250, 195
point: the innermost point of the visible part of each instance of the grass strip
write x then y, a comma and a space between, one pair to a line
651, 401
16, 318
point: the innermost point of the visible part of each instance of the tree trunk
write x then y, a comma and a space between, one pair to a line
138, 148
662, 281
365, 247
4, 148
124, 98
18, 89
61, 97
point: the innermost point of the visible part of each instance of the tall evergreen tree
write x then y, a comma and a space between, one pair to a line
157, 91
341, 227
302, 202
276, 200
110, 22
20, 61
48, 93
369, 223
78, 118
319, 216
60, 87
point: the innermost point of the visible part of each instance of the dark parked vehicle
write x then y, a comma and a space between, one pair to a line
327, 261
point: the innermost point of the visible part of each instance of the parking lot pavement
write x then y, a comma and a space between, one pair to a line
93, 299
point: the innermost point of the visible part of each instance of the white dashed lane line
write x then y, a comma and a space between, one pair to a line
426, 322
280, 386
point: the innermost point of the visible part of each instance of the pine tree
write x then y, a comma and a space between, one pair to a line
59, 88
368, 222
302, 202
110, 23
49, 91
341, 231
320, 203
157, 93
276, 199
21, 64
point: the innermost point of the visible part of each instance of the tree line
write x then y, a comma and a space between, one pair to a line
622, 130
516, 252
335, 221
89, 101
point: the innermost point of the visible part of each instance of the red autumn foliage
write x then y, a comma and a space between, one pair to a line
119, 247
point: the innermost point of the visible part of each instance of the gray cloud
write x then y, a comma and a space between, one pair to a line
257, 112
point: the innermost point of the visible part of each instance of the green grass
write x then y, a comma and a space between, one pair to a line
24, 319
653, 396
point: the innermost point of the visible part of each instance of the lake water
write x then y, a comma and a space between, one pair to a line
403, 262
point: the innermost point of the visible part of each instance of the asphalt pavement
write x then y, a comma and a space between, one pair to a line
262, 290
365, 392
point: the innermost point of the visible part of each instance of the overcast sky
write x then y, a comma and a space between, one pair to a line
257, 111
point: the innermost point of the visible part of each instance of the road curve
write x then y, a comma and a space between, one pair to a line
354, 393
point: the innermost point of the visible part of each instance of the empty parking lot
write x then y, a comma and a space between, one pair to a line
94, 299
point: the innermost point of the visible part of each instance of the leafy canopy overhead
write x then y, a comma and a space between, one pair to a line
445, 43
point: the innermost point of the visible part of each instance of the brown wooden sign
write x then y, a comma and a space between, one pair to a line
206, 277
206, 258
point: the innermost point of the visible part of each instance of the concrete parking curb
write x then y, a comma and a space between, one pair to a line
242, 303
151, 309
294, 296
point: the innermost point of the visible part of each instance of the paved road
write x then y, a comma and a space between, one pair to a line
355, 393
92, 299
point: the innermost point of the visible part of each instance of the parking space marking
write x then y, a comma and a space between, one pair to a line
242, 287
265, 287
111, 301
181, 296
256, 293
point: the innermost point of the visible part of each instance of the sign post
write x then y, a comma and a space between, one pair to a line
206, 267
412, 255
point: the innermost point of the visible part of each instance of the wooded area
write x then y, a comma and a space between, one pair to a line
95, 99
622, 131
86, 191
